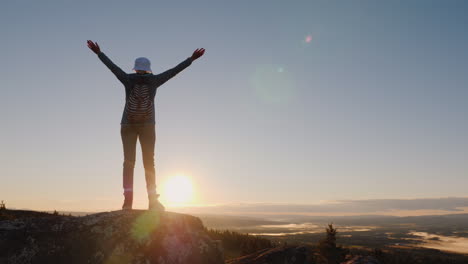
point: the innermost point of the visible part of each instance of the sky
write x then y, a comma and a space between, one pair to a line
298, 102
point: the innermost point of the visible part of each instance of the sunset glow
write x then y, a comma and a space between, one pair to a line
177, 190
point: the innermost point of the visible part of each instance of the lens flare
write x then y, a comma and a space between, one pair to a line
145, 224
273, 84
308, 38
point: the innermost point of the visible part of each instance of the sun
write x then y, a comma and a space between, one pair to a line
177, 190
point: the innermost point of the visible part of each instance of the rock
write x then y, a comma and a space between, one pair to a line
134, 236
278, 255
362, 260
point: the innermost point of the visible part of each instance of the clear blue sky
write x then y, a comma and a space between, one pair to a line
374, 106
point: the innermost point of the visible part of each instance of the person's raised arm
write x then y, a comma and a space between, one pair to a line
165, 76
119, 73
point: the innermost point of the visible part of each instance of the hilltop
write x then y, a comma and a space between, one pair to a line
135, 236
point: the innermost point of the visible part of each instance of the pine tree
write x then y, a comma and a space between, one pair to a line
329, 252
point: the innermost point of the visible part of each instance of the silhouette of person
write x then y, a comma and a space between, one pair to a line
138, 118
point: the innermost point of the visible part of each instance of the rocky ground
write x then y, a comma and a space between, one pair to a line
135, 236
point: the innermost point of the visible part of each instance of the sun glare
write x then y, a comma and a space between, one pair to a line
177, 190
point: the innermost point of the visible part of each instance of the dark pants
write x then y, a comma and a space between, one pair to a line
147, 135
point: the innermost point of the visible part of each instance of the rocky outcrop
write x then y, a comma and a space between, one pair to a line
135, 236
278, 255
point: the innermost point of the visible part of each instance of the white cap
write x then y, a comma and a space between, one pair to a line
142, 64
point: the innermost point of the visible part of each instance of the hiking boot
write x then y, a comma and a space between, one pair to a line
154, 204
127, 205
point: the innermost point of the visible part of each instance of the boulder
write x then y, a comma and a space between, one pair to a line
135, 236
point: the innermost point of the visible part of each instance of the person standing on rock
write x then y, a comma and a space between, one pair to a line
138, 118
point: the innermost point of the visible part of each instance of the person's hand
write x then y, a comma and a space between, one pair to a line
94, 47
197, 54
